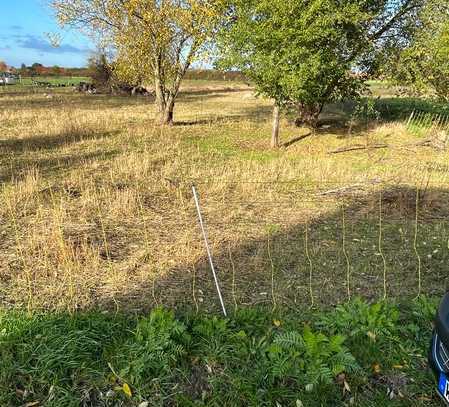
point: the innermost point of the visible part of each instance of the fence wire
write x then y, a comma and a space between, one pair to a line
279, 246
387, 242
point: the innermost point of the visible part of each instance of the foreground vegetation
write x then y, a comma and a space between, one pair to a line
357, 354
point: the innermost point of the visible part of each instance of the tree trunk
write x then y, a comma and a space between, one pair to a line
160, 104
275, 132
308, 115
166, 94
159, 90
167, 115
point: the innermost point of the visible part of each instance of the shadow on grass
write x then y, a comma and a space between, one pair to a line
21, 155
374, 242
246, 114
258, 114
336, 117
296, 140
52, 141
202, 122
52, 166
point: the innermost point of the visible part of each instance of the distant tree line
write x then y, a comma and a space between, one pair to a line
97, 68
38, 69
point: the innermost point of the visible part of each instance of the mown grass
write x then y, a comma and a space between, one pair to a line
357, 354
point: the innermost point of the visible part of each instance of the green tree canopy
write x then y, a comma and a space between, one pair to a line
422, 64
303, 54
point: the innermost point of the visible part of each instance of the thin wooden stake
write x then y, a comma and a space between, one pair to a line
209, 254
410, 118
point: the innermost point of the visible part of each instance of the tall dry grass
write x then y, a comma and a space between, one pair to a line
97, 209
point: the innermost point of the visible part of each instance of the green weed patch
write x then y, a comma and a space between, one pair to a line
357, 354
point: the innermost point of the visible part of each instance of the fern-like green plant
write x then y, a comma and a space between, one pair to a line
157, 346
419, 322
210, 327
311, 358
424, 309
215, 339
358, 319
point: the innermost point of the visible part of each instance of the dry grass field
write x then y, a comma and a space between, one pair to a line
97, 209
98, 222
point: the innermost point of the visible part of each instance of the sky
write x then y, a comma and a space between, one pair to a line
24, 25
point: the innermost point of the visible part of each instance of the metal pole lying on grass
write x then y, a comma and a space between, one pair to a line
206, 242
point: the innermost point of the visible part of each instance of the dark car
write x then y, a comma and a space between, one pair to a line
439, 349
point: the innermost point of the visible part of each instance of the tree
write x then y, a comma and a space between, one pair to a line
3, 66
23, 71
56, 70
35, 69
422, 64
152, 40
100, 70
301, 53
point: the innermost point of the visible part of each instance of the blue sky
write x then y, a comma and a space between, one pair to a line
23, 28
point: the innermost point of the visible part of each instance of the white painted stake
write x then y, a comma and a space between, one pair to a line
206, 242
410, 118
